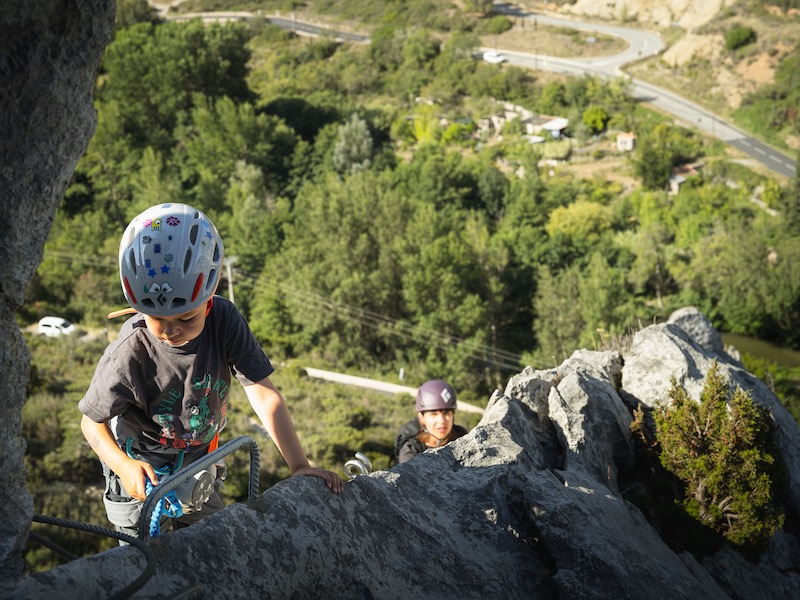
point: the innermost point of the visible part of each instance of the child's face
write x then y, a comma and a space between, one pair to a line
437, 422
180, 329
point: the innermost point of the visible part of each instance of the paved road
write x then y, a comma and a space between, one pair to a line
642, 44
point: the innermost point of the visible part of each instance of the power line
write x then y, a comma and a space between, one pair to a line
397, 327
487, 354
377, 317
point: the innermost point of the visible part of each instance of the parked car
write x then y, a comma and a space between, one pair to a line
494, 57
55, 326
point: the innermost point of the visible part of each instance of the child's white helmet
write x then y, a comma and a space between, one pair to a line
170, 258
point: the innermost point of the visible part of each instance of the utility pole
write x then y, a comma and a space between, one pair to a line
229, 262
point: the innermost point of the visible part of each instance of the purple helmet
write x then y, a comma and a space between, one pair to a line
435, 395
169, 259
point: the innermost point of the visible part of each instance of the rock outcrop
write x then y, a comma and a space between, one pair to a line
49, 55
527, 505
688, 14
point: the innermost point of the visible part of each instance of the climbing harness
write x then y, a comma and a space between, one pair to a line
360, 465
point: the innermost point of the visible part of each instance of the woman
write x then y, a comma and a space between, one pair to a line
436, 409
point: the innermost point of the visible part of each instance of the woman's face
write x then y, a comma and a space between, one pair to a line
437, 422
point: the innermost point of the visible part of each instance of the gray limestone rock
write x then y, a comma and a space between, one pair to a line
524, 506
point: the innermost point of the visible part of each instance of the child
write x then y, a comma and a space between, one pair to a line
434, 425
158, 397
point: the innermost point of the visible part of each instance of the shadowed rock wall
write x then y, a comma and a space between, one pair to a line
49, 54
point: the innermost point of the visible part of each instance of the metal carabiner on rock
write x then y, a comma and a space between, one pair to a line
360, 465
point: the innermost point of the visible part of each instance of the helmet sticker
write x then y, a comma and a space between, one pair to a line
159, 287
173, 221
446, 395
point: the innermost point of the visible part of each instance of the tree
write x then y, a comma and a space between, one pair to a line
482, 7
252, 229
653, 163
223, 132
739, 36
558, 323
340, 266
130, 12
552, 99
579, 226
595, 118
154, 184
353, 149
790, 204
650, 271
154, 71
602, 300
425, 126
723, 449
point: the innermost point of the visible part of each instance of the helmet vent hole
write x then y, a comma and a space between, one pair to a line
148, 302
178, 302
132, 262
212, 279
216, 253
193, 234
187, 260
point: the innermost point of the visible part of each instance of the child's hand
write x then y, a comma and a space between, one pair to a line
132, 473
332, 480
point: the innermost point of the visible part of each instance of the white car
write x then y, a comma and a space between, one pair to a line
494, 57
55, 326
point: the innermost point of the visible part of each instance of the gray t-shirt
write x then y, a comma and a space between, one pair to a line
167, 399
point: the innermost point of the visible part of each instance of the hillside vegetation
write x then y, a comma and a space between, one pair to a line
374, 220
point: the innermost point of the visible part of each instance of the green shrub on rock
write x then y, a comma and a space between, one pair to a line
739, 36
723, 449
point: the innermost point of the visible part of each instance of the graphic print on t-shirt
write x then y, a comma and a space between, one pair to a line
196, 419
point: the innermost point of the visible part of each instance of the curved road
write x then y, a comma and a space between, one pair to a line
642, 44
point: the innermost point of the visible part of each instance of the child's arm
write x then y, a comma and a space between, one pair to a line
131, 472
270, 407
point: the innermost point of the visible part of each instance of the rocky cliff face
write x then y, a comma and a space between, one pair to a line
528, 505
687, 14
49, 53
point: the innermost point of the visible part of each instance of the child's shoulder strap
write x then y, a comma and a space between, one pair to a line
408, 431
123, 311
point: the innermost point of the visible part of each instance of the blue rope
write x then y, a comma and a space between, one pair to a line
172, 508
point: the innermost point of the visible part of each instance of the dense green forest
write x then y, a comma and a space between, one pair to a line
373, 222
